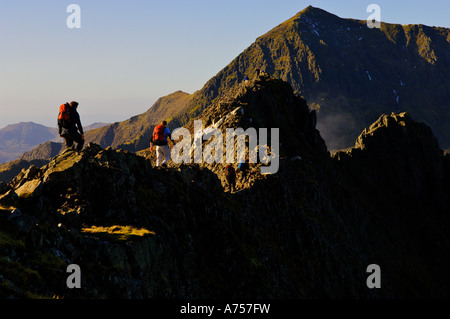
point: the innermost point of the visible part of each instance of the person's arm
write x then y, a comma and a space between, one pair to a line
169, 135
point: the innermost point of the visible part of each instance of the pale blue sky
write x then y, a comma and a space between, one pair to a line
128, 53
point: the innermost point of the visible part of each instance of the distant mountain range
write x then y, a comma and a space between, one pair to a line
16, 139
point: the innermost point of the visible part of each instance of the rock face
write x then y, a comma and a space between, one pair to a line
405, 161
267, 103
308, 231
398, 173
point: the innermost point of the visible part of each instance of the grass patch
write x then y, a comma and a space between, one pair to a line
117, 233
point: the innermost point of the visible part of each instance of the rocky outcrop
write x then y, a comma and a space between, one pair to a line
396, 172
10, 170
402, 157
51, 206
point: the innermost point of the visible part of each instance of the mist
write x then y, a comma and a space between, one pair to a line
336, 129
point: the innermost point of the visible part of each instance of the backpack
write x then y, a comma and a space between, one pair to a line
158, 135
64, 115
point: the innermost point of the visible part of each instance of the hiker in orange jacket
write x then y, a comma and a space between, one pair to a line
69, 125
160, 137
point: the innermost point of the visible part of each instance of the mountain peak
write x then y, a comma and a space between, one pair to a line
310, 10
308, 13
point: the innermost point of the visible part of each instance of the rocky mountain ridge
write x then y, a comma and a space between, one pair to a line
308, 231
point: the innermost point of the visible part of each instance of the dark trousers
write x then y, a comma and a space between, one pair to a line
71, 137
231, 184
243, 176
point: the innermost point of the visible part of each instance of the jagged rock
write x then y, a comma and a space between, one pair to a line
9, 199
31, 172
9, 171
32, 187
403, 157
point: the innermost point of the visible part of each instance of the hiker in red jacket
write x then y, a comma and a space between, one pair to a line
160, 137
69, 125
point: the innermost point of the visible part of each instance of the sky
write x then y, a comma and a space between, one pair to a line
128, 53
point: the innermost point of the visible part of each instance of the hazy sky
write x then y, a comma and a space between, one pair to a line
128, 53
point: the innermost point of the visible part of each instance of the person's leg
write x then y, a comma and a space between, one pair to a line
68, 140
229, 184
159, 155
80, 145
77, 138
232, 184
244, 176
80, 142
166, 151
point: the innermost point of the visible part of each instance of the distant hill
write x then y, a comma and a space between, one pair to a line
134, 133
39, 156
44, 151
16, 139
